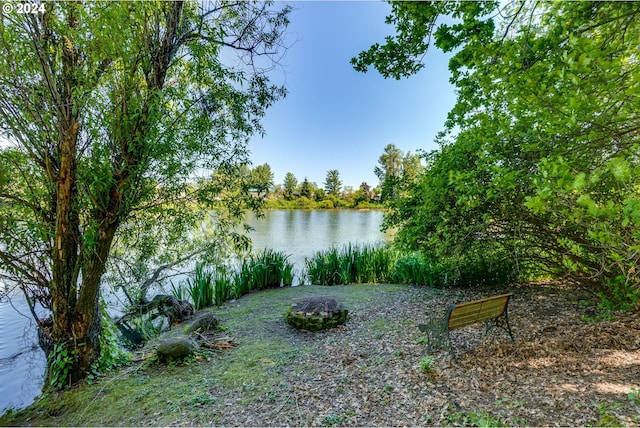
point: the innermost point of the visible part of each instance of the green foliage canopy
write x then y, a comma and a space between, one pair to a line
395, 170
290, 184
262, 178
539, 158
332, 183
111, 109
306, 189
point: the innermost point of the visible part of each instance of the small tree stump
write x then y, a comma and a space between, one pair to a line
316, 313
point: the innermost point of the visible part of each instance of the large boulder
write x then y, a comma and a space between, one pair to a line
316, 313
203, 323
176, 347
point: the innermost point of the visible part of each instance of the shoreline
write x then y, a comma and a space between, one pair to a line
367, 372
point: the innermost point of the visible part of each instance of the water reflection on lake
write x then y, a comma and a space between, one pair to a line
301, 233
22, 361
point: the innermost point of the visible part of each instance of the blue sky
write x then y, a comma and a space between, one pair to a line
336, 118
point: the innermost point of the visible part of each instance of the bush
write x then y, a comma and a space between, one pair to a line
621, 294
477, 269
325, 204
304, 202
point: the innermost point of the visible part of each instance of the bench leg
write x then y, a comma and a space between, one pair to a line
450, 347
500, 322
437, 336
445, 342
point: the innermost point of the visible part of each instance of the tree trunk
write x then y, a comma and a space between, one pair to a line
75, 326
78, 268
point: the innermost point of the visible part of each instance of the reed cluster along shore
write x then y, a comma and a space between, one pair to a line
354, 264
350, 264
214, 285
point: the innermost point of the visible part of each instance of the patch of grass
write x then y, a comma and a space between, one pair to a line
331, 420
255, 367
604, 315
475, 419
426, 364
200, 400
380, 325
153, 394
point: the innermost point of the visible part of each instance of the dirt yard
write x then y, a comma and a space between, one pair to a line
564, 368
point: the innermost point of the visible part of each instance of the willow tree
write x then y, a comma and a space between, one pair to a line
109, 109
539, 162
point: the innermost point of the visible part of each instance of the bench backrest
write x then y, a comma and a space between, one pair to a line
477, 311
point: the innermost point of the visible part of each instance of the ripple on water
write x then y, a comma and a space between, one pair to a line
22, 362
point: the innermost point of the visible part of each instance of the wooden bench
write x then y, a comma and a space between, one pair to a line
492, 310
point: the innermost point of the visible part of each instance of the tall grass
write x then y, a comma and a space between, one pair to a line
215, 285
351, 264
223, 285
200, 287
267, 269
412, 268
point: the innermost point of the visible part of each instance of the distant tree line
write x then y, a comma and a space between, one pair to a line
395, 170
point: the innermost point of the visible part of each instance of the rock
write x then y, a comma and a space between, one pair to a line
176, 347
316, 313
203, 322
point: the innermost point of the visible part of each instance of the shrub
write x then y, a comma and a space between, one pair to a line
477, 268
621, 294
111, 353
426, 364
326, 204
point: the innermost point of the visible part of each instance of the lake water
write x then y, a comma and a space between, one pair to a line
299, 233
302, 233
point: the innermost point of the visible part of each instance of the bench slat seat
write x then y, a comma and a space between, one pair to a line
492, 311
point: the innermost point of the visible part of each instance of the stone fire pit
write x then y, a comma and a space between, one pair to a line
316, 313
